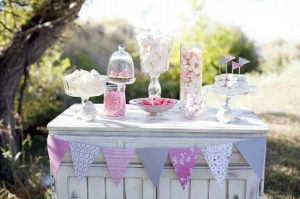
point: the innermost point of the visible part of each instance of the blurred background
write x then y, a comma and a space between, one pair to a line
266, 32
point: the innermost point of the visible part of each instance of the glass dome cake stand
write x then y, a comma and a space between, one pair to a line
225, 113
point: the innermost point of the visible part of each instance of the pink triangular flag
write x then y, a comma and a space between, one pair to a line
235, 65
117, 161
56, 150
184, 160
229, 58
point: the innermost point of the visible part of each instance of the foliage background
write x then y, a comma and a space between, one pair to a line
88, 45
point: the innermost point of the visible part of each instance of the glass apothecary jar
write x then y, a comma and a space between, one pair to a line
114, 100
191, 69
196, 106
154, 48
120, 67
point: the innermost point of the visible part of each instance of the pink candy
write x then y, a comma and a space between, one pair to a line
114, 103
190, 71
196, 106
122, 74
156, 101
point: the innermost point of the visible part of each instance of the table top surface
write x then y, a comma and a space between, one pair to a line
172, 121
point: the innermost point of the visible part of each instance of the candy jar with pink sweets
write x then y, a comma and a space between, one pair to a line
191, 70
120, 72
114, 100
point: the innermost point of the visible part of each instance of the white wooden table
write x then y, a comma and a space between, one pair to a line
138, 130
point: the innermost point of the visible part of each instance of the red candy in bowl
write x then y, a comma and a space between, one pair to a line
154, 105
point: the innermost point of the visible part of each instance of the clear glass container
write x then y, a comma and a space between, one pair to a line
196, 106
154, 48
85, 84
191, 69
120, 67
114, 100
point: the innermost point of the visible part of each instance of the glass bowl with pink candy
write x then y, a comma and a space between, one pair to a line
154, 105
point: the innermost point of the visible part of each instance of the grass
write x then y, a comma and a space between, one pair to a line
277, 102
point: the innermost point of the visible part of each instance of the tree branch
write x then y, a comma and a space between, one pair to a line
6, 28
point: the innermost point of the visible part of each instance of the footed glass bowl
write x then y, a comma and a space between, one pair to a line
152, 107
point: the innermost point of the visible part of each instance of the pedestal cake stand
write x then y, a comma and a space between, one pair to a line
225, 113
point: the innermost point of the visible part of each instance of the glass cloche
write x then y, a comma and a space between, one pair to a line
120, 67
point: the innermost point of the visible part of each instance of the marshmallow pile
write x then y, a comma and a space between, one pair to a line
233, 81
154, 48
196, 106
84, 84
114, 103
191, 69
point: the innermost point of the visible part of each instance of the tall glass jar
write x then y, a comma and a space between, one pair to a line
114, 100
191, 69
154, 48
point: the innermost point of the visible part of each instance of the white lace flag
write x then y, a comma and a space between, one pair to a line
83, 156
243, 61
217, 158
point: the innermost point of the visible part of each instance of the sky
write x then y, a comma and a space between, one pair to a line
261, 20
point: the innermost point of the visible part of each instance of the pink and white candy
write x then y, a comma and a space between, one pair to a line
196, 106
114, 103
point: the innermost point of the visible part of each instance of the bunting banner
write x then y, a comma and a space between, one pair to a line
253, 150
117, 161
83, 156
235, 65
56, 150
243, 61
184, 160
229, 58
153, 160
217, 158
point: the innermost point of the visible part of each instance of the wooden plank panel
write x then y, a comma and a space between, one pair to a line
61, 182
77, 189
199, 189
164, 186
177, 192
113, 192
236, 189
134, 188
215, 191
252, 185
149, 192
96, 188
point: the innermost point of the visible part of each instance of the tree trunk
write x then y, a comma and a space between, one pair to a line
25, 48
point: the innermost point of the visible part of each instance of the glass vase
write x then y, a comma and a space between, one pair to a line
190, 69
154, 49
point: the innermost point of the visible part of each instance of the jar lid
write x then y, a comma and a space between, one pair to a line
121, 54
120, 67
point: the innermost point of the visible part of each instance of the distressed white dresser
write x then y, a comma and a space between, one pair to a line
138, 130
